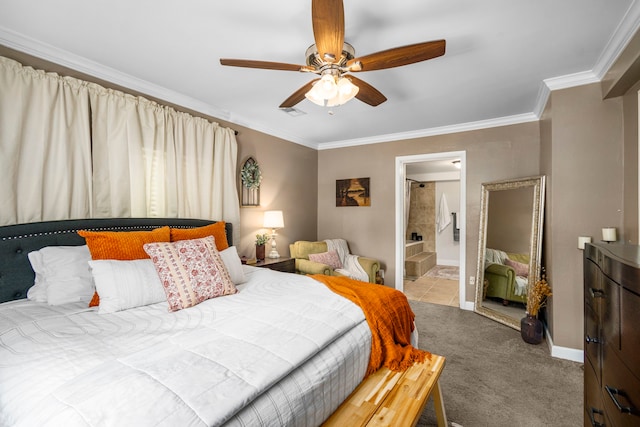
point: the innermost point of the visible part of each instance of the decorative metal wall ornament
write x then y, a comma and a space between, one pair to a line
251, 178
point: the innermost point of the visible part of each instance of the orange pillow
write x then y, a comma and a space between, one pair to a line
121, 245
216, 230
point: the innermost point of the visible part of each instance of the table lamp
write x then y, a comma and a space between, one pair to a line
273, 220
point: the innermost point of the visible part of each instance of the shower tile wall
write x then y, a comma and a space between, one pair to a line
422, 214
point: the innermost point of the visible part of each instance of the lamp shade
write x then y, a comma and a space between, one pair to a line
273, 219
327, 93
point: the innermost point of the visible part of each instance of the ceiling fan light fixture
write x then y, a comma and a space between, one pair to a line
322, 91
327, 93
346, 90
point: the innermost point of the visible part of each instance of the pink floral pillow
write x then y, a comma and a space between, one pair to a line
191, 271
520, 268
330, 258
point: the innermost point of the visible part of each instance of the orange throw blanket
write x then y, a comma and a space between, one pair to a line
390, 319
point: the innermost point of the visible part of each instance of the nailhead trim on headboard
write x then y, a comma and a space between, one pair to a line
16, 241
50, 233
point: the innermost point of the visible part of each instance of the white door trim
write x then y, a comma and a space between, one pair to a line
400, 172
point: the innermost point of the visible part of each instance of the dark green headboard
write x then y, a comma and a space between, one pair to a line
16, 241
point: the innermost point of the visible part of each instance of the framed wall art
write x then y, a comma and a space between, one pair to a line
353, 192
251, 178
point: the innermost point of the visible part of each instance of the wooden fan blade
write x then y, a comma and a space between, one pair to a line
328, 28
248, 63
367, 93
298, 95
398, 56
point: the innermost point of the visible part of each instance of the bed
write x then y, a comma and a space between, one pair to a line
283, 350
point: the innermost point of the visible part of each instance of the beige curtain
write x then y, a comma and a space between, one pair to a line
71, 149
45, 146
129, 143
152, 161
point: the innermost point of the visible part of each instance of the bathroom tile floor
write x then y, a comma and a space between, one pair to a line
433, 290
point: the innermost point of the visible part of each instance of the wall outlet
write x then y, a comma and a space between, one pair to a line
472, 280
381, 272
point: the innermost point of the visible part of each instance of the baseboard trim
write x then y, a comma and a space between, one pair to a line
468, 305
449, 262
566, 353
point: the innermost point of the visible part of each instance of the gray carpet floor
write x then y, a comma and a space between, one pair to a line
492, 377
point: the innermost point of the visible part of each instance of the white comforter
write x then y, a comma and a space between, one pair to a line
68, 365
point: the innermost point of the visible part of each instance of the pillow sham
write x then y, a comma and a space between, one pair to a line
329, 258
122, 245
232, 262
520, 268
216, 230
126, 284
62, 275
38, 292
191, 271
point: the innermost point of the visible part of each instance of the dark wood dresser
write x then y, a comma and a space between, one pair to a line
612, 335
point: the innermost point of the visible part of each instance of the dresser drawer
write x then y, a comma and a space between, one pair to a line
610, 313
593, 291
592, 339
619, 391
630, 331
593, 404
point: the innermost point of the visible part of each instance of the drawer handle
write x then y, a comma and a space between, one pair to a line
592, 412
613, 393
596, 293
590, 340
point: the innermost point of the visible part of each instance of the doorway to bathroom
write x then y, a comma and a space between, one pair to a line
430, 234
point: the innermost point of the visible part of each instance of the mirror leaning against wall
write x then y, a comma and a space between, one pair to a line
511, 217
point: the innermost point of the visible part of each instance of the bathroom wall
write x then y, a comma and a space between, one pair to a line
422, 214
447, 249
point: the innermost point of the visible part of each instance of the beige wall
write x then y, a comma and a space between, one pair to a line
289, 183
630, 200
582, 154
492, 154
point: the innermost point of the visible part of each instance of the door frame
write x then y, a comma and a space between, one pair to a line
400, 173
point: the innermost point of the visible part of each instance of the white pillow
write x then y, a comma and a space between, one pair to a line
62, 275
38, 292
126, 284
232, 262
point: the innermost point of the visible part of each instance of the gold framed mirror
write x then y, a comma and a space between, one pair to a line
509, 248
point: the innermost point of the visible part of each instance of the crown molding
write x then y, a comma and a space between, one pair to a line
617, 43
621, 37
442, 130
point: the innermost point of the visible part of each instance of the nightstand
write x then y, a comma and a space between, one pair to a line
288, 265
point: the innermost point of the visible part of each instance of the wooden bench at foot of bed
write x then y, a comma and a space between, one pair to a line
389, 398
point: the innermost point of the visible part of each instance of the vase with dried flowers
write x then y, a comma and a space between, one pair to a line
261, 240
530, 325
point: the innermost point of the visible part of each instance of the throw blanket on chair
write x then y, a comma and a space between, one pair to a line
389, 317
350, 265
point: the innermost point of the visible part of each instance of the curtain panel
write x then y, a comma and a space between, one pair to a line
45, 146
72, 149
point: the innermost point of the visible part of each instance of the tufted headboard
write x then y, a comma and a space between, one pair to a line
16, 241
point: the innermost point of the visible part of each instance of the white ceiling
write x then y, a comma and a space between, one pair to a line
502, 57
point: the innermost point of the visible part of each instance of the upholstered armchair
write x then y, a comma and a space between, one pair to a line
301, 250
502, 278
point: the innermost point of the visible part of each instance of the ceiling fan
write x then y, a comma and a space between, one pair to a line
332, 59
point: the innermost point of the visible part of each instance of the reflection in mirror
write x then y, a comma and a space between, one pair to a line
511, 216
